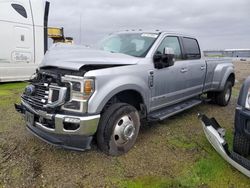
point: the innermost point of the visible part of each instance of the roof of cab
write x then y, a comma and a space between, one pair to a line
156, 32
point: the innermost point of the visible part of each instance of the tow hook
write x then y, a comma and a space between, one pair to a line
19, 108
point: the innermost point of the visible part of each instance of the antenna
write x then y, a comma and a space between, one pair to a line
81, 28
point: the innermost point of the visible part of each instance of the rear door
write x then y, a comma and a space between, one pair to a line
196, 67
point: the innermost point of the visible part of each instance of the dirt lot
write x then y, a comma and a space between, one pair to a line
171, 153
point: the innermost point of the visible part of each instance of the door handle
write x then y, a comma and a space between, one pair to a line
183, 70
203, 67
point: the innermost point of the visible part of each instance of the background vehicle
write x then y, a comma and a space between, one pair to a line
23, 37
241, 143
80, 93
242, 121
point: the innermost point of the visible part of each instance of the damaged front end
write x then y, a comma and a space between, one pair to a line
55, 109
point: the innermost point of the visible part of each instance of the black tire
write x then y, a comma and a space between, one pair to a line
241, 145
222, 97
113, 134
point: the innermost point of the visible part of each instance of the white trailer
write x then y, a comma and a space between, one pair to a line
23, 37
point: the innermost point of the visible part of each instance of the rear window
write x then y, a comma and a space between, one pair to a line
192, 49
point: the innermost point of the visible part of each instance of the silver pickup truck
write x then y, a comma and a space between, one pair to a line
80, 93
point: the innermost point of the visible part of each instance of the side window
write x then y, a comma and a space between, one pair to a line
191, 48
20, 9
170, 42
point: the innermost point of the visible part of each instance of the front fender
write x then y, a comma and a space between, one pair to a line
107, 89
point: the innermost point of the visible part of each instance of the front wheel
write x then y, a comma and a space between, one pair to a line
118, 129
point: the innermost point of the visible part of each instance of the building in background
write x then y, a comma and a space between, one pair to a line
236, 54
244, 53
214, 53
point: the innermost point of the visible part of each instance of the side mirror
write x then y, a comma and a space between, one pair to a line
168, 56
166, 59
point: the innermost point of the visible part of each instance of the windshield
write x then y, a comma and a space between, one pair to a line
134, 44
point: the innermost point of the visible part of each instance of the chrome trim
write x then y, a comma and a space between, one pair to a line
81, 80
29, 107
45, 115
44, 127
61, 97
39, 112
71, 131
88, 124
67, 78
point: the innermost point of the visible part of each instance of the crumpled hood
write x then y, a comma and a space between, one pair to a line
73, 57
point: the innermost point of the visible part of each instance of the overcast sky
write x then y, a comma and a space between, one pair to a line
217, 24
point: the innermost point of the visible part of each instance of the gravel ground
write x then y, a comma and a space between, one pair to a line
171, 153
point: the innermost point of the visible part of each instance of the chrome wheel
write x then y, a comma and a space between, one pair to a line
124, 130
228, 95
118, 129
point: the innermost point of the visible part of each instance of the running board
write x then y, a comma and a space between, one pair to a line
164, 113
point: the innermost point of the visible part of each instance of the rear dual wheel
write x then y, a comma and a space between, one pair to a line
118, 129
222, 98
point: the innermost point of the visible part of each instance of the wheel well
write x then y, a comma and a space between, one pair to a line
231, 78
131, 97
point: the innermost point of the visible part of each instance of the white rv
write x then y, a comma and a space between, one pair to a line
23, 37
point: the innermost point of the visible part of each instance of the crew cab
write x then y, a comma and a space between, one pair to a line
82, 93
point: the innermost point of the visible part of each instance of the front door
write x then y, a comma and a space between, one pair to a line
169, 83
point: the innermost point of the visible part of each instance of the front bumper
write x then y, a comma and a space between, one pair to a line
56, 133
215, 135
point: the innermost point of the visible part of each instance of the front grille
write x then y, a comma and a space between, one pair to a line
40, 96
46, 92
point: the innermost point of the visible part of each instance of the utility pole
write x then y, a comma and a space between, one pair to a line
81, 28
